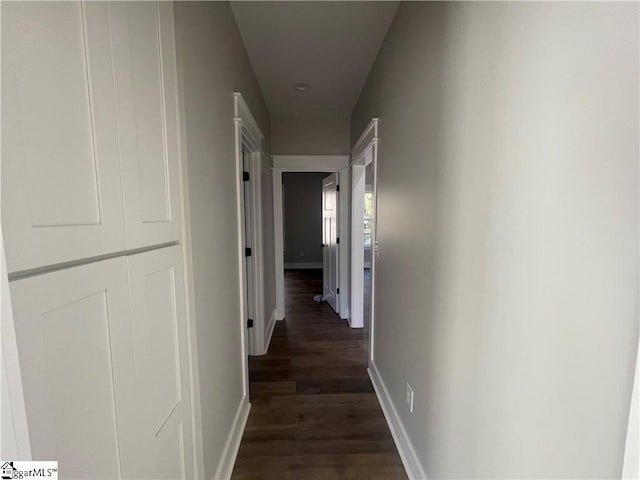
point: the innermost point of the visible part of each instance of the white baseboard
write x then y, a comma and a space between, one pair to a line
303, 266
269, 332
403, 444
230, 452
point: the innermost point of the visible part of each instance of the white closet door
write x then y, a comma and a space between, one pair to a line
145, 77
73, 334
62, 196
163, 417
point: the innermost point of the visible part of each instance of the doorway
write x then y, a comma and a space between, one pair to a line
249, 187
337, 165
364, 247
310, 225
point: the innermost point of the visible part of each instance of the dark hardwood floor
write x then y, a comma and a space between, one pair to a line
314, 413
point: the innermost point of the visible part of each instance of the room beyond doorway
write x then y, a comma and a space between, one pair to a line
310, 234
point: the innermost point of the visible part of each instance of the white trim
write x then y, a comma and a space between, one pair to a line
190, 301
242, 277
313, 163
256, 184
631, 463
249, 136
344, 252
356, 319
269, 332
278, 241
256, 335
364, 152
310, 163
405, 448
367, 137
302, 265
231, 447
242, 111
14, 441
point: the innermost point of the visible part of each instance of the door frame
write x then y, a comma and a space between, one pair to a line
248, 137
364, 152
312, 163
631, 461
330, 269
14, 440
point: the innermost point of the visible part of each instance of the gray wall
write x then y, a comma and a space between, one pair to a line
507, 287
310, 135
302, 193
213, 64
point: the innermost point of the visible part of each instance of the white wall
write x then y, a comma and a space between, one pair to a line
310, 135
302, 195
213, 65
507, 281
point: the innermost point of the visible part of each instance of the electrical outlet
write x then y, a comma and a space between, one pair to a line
301, 253
409, 397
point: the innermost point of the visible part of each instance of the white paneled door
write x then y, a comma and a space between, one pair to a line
90, 199
73, 333
145, 78
330, 240
163, 405
62, 196
90, 130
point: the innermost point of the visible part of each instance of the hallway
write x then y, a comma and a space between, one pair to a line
175, 174
314, 413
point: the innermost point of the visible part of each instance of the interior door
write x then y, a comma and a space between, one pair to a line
249, 264
61, 190
330, 240
144, 67
73, 330
160, 405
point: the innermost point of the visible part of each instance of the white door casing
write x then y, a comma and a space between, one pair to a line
330, 241
356, 319
249, 258
248, 141
312, 163
14, 439
364, 152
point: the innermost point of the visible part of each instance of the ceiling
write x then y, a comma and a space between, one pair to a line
331, 45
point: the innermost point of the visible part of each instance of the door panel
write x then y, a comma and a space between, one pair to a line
78, 321
62, 198
145, 69
330, 235
249, 261
163, 402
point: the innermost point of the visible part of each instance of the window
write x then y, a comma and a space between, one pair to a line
368, 218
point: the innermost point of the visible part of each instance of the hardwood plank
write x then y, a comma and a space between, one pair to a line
314, 413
